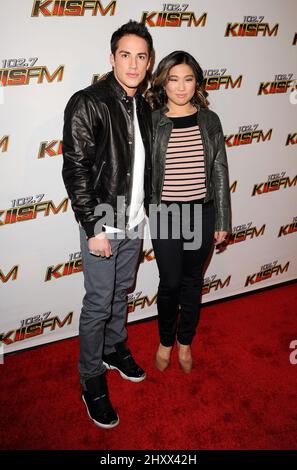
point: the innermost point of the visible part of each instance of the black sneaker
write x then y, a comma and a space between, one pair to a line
98, 405
123, 361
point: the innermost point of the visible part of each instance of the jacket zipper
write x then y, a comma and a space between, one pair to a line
99, 174
205, 148
171, 125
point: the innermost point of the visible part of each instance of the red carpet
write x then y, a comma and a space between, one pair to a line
241, 394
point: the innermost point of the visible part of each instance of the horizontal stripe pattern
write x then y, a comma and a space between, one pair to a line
184, 178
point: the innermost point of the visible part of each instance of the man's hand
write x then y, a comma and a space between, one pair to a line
220, 237
100, 245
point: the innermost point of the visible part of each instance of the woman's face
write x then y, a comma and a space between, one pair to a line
180, 86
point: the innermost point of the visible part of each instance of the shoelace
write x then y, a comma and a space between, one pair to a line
121, 354
130, 360
126, 357
98, 398
105, 405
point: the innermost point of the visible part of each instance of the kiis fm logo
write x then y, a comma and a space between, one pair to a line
34, 326
292, 139
251, 26
281, 84
12, 274
147, 255
247, 135
4, 143
27, 208
50, 149
212, 283
137, 300
173, 15
274, 183
22, 71
244, 231
233, 187
293, 354
74, 265
266, 272
289, 228
71, 8
216, 78
95, 78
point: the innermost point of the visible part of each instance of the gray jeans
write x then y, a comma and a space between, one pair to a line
104, 311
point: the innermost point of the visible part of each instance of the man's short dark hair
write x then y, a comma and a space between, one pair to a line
132, 27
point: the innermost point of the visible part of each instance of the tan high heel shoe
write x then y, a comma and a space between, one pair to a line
185, 357
162, 359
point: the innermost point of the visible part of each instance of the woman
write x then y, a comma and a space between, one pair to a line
190, 170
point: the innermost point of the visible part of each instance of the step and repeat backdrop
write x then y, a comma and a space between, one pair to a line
52, 48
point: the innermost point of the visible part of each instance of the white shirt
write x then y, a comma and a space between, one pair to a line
136, 210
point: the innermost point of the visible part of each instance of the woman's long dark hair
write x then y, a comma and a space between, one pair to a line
156, 96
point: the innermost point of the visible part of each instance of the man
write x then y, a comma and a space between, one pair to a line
106, 149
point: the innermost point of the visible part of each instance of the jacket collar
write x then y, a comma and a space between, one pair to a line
163, 118
118, 89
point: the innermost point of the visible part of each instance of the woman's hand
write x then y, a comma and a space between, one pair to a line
220, 237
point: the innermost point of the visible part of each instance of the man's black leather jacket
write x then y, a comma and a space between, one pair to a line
216, 166
98, 150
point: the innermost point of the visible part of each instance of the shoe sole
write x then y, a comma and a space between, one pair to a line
100, 425
124, 376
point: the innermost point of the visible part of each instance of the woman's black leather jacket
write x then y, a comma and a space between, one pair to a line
216, 166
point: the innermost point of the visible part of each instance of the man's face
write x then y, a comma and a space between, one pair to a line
130, 62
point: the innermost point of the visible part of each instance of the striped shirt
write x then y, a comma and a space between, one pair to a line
184, 178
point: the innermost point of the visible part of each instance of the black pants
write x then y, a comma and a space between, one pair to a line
181, 276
